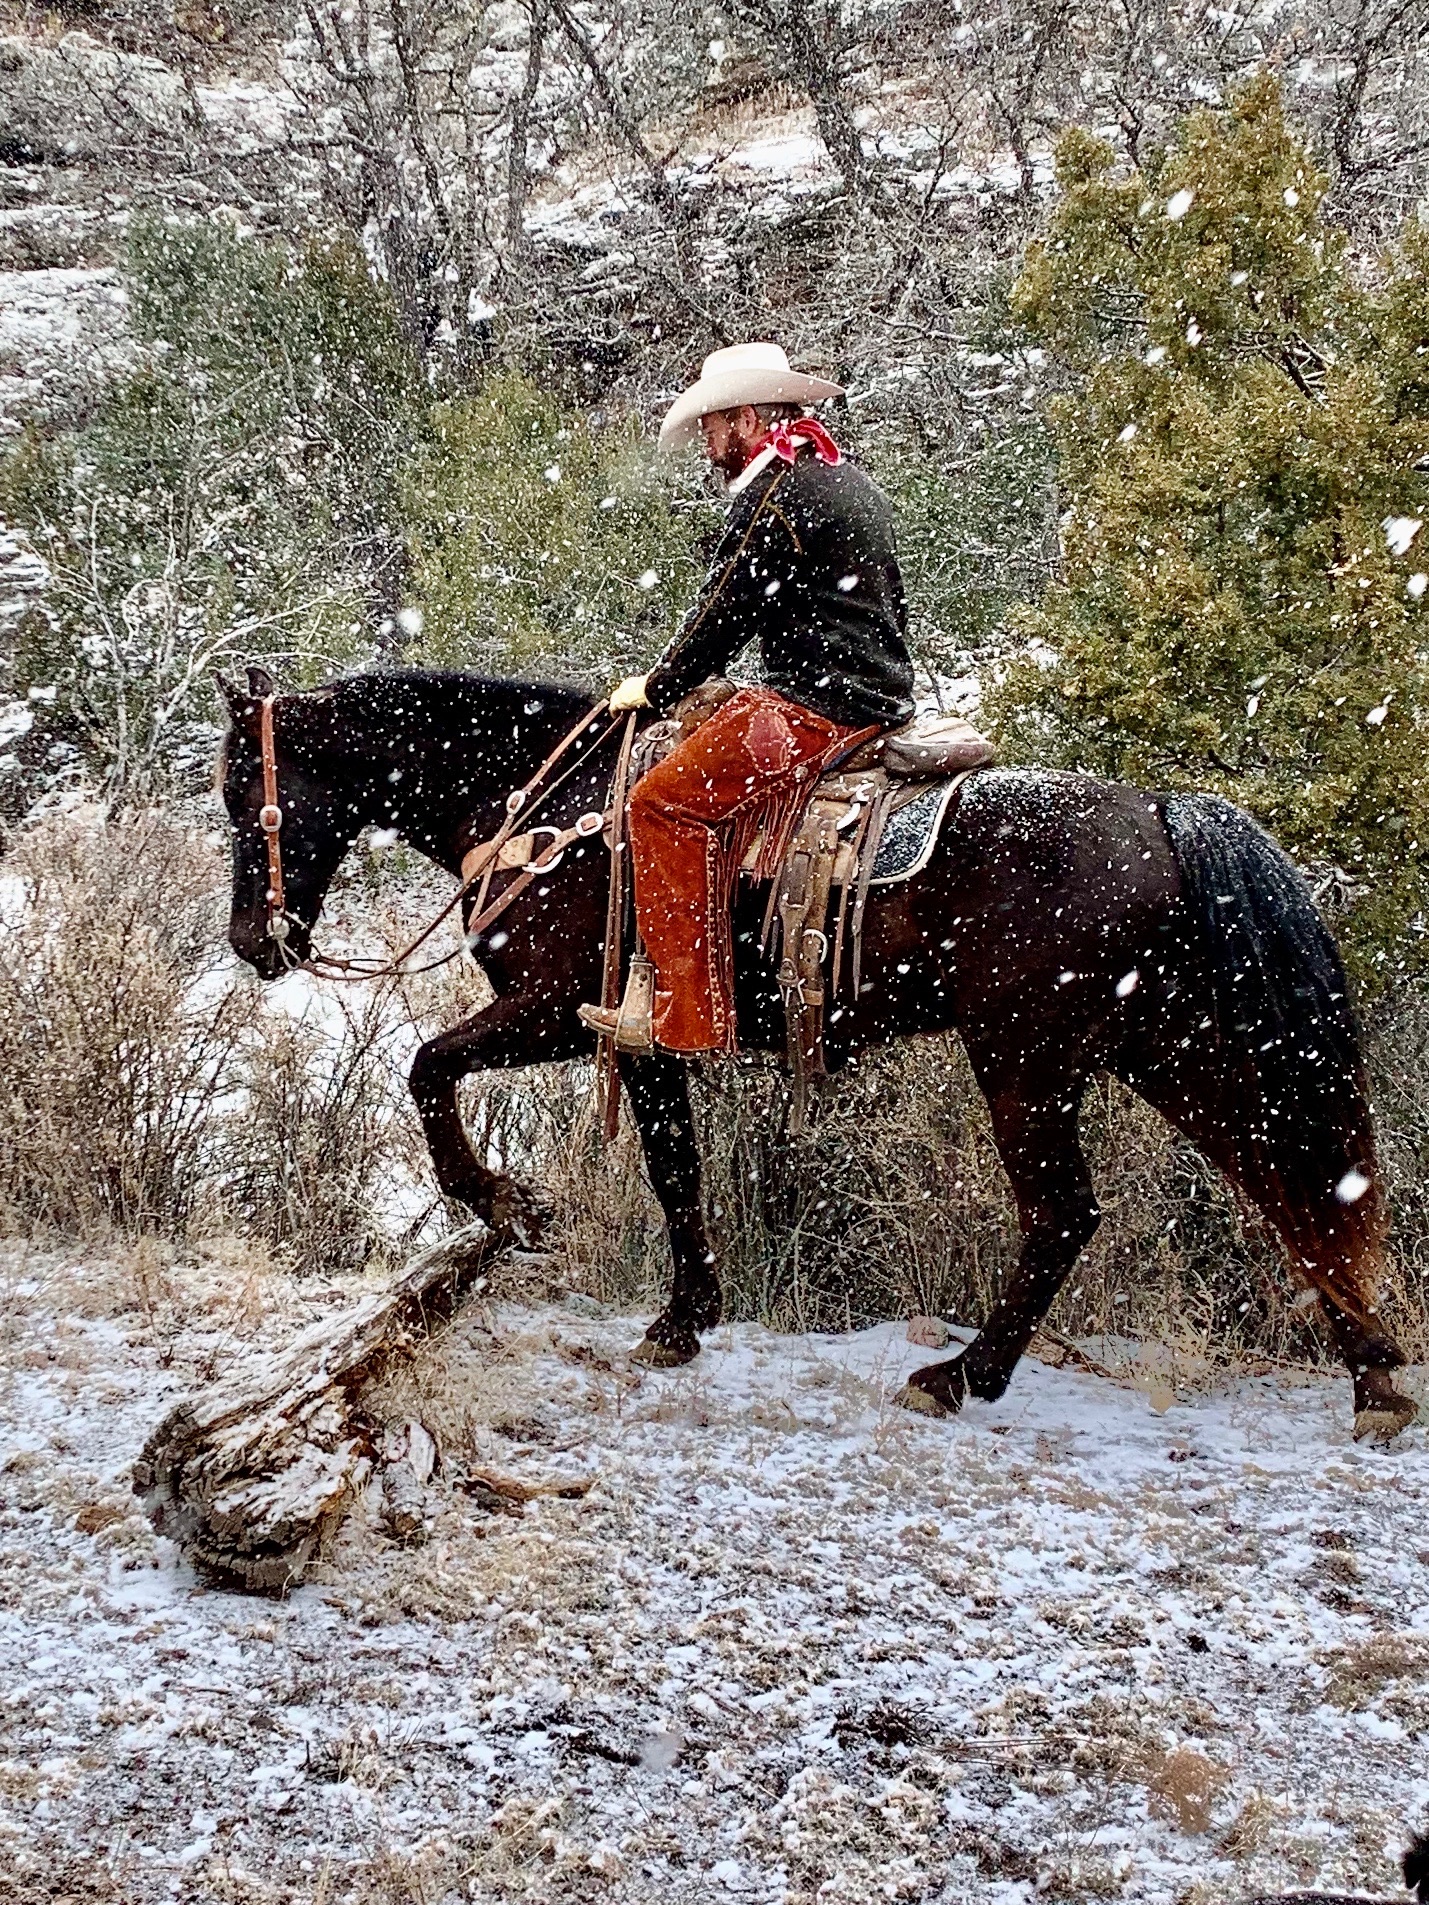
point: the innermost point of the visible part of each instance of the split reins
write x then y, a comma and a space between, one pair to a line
477, 867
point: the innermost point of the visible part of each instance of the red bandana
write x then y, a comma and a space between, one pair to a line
784, 440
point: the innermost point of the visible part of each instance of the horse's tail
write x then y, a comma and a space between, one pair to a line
1283, 1038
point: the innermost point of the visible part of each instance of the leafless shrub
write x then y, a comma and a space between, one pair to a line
308, 1151
144, 1087
115, 1030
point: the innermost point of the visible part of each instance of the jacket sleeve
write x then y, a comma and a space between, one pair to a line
749, 566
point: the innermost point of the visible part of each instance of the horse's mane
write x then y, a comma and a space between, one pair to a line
370, 684
375, 692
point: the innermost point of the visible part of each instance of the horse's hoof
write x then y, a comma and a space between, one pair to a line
666, 1352
921, 1403
522, 1213
935, 1390
1389, 1415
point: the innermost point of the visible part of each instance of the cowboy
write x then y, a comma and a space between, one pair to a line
807, 567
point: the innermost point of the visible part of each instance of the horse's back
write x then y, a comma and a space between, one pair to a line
1037, 832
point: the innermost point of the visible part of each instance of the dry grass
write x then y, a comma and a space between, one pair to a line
897, 1206
1360, 1672
1184, 1784
149, 1087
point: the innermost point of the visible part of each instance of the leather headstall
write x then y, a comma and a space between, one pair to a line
270, 819
505, 851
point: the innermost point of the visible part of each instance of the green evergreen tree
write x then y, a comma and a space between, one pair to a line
233, 496
543, 542
1243, 442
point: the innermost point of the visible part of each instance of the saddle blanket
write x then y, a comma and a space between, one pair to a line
912, 833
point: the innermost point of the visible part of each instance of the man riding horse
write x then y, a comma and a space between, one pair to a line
807, 565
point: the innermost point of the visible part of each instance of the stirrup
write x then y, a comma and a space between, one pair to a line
630, 1023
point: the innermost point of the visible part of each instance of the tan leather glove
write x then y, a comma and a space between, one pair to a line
630, 694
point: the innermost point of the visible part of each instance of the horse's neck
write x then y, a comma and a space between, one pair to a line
437, 763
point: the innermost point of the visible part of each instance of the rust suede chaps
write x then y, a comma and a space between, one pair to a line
692, 818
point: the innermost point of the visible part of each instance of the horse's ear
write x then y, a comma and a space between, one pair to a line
260, 683
242, 708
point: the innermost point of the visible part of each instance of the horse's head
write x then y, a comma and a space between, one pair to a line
318, 822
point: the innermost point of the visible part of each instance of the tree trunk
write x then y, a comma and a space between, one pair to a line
817, 68
250, 1477
518, 169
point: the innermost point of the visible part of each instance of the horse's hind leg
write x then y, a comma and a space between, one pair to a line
1332, 1231
1057, 1210
660, 1099
1339, 1250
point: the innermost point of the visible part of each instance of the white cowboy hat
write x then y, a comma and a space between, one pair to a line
740, 374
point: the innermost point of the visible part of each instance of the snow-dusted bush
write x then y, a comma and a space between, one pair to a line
231, 497
147, 1086
307, 1157
117, 1026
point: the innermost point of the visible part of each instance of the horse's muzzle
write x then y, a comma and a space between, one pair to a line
258, 949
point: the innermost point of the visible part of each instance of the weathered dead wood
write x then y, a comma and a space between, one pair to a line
251, 1475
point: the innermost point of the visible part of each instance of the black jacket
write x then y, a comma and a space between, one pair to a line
807, 566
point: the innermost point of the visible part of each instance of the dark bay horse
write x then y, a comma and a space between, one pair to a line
1063, 926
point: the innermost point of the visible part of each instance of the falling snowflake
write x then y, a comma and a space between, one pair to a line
1400, 531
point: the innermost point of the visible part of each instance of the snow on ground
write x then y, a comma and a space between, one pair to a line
793, 1644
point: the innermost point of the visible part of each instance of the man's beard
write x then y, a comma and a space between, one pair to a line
735, 458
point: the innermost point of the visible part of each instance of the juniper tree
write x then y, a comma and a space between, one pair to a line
543, 542
1244, 454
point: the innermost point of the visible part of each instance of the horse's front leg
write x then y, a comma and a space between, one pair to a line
660, 1099
515, 1029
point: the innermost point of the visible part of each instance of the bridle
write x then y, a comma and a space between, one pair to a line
270, 819
501, 852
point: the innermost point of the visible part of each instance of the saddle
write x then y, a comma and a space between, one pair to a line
824, 845
825, 854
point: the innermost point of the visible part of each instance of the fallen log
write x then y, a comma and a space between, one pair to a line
253, 1474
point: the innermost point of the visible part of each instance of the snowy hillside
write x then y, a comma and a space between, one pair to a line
1097, 1641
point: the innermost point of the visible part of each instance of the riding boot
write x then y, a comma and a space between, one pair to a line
629, 1023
